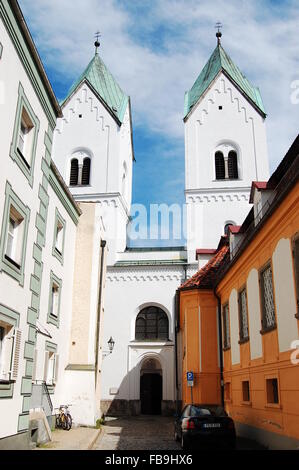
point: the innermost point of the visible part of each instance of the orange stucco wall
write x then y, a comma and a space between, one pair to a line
198, 320
282, 418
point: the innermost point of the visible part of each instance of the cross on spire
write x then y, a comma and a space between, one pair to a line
218, 34
97, 42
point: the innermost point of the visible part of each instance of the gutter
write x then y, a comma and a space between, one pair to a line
220, 347
103, 245
176, 330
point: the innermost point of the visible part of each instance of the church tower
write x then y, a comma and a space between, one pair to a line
93, 149
225, 149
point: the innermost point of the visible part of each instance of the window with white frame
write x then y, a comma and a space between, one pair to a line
54, 310
51, 368
25, 137
226, 332
15, 236
243, 316
10, 348
267, 298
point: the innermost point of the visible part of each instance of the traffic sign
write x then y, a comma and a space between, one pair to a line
190, 379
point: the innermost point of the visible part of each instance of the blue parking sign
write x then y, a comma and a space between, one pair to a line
190, 379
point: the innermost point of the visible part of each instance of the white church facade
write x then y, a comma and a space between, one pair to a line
78, 186
226, 150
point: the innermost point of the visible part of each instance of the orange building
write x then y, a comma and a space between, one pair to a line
239, 316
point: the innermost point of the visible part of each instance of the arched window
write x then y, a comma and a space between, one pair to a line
86, 171
152, 323
220, 166
232, 165
74, 172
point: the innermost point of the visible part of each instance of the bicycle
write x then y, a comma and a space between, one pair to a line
63, 418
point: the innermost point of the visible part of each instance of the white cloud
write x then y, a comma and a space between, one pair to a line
261, 37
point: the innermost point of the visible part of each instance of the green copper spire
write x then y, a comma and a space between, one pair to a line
220, 61
102, 82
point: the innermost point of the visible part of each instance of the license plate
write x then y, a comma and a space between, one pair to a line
212, 425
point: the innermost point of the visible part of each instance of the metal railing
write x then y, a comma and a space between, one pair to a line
40, 397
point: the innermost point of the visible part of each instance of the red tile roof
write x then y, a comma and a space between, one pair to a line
260, 185
205, 278
234, 228
205, 251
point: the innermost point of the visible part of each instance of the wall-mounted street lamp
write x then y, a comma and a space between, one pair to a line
111, 344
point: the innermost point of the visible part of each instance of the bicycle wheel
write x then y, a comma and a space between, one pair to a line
69, 422
63, 421
57, 422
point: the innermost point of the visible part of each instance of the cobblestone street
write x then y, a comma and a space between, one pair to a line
138, 433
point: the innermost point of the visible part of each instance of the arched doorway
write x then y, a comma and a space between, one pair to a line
151, 387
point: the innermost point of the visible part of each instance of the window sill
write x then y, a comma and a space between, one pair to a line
244, 340
246, 403
14, 263
277, 406
268, 329
5, 382
23, 159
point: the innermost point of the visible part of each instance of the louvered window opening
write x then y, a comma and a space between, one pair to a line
268, 309
226, 335
86, 172
152, 323
244, 332
232, 165
74, 172
220, 166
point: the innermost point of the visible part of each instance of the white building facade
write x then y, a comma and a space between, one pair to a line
38, 218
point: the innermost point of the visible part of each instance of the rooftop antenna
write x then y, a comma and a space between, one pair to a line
218, 34
97, 42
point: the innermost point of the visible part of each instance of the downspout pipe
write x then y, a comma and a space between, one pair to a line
103, 245
176, 330
220, 347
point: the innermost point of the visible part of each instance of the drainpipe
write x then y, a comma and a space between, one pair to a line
176, 329
103, 245
220, 347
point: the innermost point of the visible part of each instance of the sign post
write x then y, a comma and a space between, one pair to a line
190, 383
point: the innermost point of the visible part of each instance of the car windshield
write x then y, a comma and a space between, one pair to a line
197, 411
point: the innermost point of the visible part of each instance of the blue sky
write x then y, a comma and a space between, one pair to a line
156, 49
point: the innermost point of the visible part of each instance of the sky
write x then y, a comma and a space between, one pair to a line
155, 49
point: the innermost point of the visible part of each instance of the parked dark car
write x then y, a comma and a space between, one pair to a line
203, 426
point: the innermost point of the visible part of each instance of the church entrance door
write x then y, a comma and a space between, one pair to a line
151, 388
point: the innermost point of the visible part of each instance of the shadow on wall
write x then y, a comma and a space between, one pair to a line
151, 397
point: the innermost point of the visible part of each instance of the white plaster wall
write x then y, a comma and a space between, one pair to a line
254, 313
65, 272
128, 290
11, 294
285, 299
79, 387
234, 327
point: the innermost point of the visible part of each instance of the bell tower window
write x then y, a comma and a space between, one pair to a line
220, 166
232, 165
74, 172
86, 172
80, 167
226, 163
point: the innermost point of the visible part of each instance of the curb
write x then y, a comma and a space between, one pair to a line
94, 439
